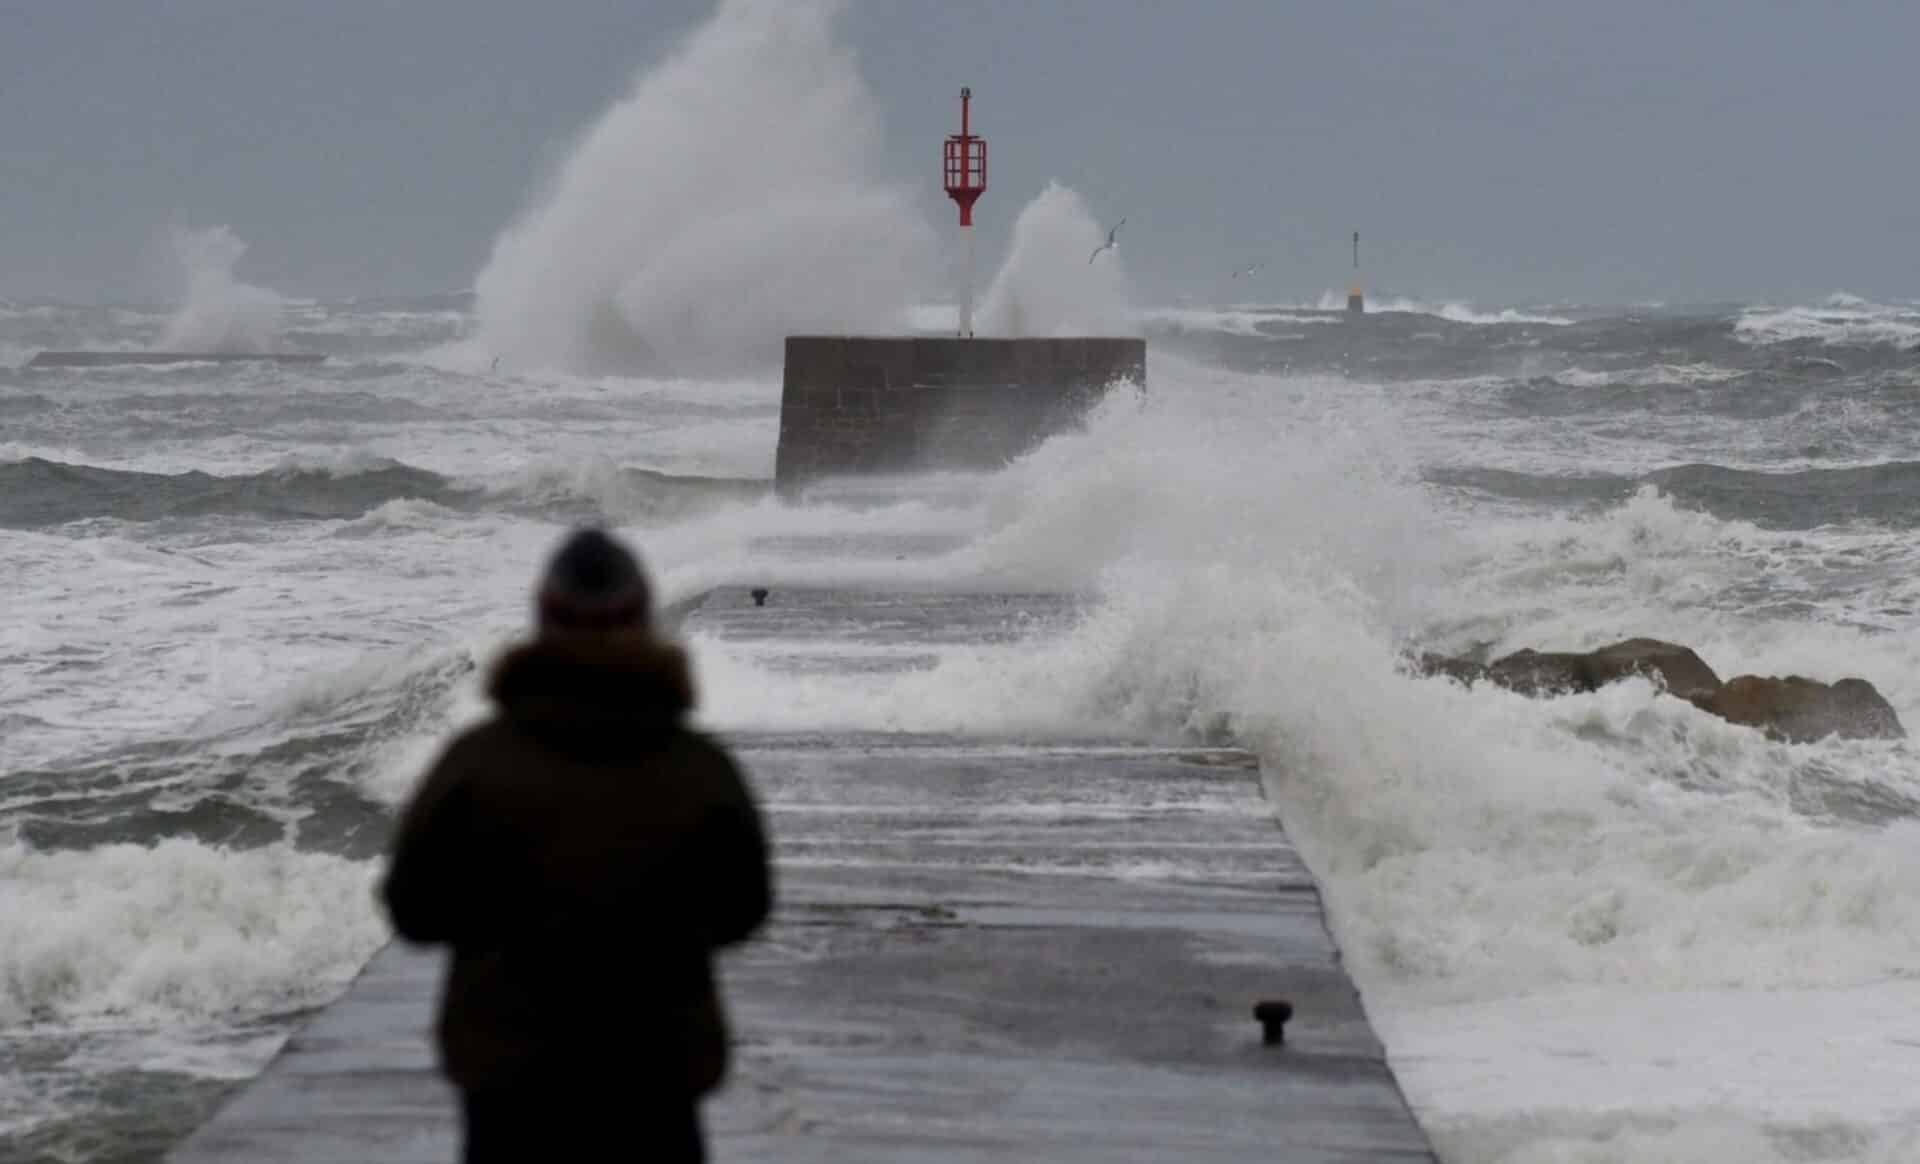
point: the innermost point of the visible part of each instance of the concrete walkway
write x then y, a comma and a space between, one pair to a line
983, 951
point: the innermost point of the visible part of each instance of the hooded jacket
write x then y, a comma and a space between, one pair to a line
584, 854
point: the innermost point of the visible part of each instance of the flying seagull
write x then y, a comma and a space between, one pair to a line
1109, 244
1249, 269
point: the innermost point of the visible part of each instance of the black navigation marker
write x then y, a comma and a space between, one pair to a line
759, 595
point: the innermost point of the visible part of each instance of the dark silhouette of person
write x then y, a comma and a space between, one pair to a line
584, 853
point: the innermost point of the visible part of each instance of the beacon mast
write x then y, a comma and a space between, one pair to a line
964, 172
1356, 302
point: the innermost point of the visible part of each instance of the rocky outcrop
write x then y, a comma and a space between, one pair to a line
1801, 709
1674, 667
1532, 672
1467, 671
1793, 708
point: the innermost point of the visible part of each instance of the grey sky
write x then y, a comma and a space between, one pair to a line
1609, 150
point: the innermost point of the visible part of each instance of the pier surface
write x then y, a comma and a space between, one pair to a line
983, 950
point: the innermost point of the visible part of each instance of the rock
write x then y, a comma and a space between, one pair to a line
1802, 710
1676, 668
1673, 666
1532, 672
1466, 671
1794, 708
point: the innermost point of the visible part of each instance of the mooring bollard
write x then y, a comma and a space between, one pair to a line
1272, 1015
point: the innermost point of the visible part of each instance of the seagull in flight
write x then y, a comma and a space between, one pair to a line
1109, 244
1249, 269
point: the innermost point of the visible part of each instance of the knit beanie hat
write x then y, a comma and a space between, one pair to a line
593, 583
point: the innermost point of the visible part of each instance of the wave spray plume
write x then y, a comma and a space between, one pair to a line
1047, 287
728, 200
221, 314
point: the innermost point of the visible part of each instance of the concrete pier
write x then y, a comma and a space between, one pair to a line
984, 949
853, 405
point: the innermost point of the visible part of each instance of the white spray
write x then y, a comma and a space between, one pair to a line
1602, 928
1048, 285
220, 313
730, 199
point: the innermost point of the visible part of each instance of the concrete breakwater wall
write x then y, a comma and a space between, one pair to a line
856, 405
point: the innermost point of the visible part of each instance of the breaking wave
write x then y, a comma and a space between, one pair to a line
1452, 311
731, 198
1802, 499
221, 313
1484, 855
178, 929
1048, 285
1842, 321
37, 492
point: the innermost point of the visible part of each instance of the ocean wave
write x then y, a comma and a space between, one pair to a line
37, 492
1842, 321
1888, 492
311, 766
1808, 498
26, 405
1475, 847
220, 313
627, 492
1649, 376
138, 983
403, 513
1042, 287
425, 326
1253, 322
1454, 311
694, 269
178, 929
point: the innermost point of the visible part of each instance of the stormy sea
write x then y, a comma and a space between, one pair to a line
245, 602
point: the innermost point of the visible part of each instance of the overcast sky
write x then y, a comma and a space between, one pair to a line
1498, 151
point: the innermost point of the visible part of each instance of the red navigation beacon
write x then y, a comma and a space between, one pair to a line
966, 162
964, 172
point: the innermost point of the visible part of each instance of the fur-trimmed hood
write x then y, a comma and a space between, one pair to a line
624, 681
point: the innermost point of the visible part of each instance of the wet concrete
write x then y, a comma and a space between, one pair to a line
853, 405
983, 950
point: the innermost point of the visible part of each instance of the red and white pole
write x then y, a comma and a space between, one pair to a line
966, 281
964, 166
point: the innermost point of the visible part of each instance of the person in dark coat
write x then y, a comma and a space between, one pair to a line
584, 853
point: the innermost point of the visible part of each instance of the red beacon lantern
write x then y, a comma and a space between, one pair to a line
966, 162
964, 173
